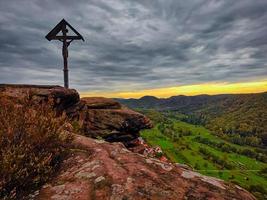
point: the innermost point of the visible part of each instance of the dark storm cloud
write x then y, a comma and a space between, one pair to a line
135, 44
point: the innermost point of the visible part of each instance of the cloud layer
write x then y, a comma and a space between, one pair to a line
135, 44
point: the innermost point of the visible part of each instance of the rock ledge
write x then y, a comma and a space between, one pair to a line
100, 170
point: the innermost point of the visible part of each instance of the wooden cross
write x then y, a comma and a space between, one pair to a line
66, 40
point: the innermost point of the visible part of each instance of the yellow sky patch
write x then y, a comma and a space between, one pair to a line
207, 88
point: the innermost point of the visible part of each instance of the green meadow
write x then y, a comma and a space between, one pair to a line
184, 144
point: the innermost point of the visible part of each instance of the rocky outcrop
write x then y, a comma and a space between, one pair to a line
96, 116
106, 118
62, 98
101, 170
114, 124
96, 169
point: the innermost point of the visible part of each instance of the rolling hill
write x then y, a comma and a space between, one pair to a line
231, 115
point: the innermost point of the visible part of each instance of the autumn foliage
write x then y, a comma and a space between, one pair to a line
32, 144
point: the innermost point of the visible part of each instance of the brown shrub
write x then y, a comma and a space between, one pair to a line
31, 146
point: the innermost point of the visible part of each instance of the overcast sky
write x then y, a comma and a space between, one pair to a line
135, 44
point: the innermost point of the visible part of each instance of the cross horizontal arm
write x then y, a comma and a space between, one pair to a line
67, 37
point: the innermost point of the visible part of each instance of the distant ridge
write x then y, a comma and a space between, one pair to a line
181, 101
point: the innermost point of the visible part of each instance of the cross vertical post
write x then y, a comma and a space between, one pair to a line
65, 56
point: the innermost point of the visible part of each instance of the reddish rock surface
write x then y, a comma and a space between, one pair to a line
100, 103
101, 170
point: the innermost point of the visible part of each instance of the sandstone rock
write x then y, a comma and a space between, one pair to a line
62, 98
114, 124
100, 103
97, 116
107, 171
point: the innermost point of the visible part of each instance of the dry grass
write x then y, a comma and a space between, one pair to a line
31, 146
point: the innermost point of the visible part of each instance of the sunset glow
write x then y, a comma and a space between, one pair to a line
208, 88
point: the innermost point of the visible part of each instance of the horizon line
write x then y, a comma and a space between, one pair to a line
202, 94
217, 88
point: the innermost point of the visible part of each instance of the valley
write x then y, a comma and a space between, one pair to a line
207, 153
238, 118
